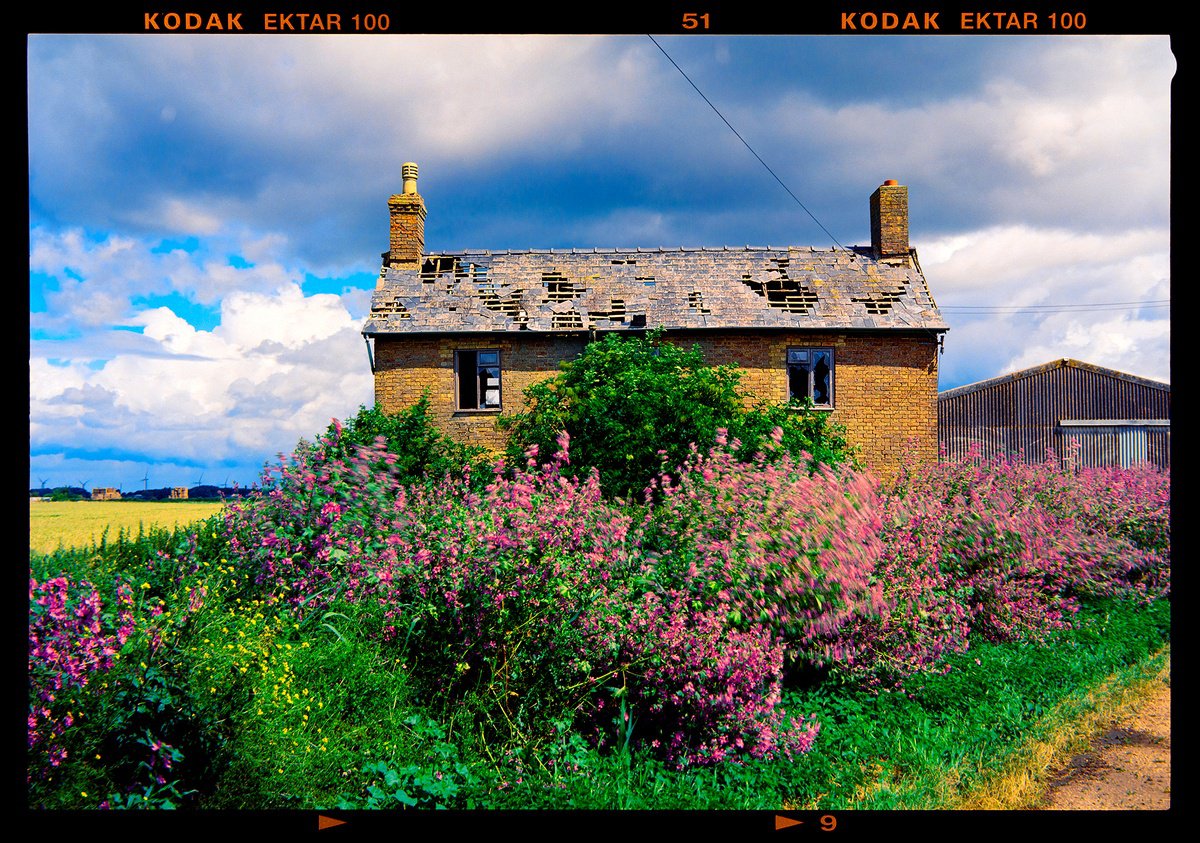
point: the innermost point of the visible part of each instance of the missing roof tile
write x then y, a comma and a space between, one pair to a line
436, 265
393, 307
696, 300
784, 293
566, 321
880, 303
559, 288
615, 313
510, 305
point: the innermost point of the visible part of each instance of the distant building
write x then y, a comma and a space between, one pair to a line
105, 494
179, 493
1093, 415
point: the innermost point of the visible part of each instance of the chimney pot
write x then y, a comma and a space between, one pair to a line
409, 171
888, 183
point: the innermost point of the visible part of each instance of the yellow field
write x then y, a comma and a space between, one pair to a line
81, 523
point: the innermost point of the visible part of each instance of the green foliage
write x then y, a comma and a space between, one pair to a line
631, 403
420, 449
440, 781
64, 495
805, 431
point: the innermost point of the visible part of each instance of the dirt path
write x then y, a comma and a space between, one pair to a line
1127, 768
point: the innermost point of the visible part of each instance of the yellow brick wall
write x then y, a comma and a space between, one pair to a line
406, 366
885, 386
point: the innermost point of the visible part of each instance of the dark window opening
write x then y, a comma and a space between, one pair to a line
478, 379
810, 375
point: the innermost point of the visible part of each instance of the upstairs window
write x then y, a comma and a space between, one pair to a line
810, 375
478, 374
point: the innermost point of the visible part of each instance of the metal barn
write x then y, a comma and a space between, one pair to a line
1087, 414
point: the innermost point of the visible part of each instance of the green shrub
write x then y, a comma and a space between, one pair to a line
411, 436
629, 403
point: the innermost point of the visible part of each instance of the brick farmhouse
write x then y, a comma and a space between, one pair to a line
856, 330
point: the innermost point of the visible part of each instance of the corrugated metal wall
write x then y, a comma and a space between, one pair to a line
1022, 415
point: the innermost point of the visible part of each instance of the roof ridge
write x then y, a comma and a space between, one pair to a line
634, 250
1041, 368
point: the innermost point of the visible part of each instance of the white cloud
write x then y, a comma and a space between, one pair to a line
286, 316
1020, 266
277, 368
1024, 146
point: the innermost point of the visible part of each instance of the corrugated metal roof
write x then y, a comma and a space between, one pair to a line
628, 289
1064, 362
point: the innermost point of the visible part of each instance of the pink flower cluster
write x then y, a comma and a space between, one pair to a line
1004, 550
769, 542
67, 647
530, 593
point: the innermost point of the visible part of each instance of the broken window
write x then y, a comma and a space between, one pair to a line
478, 375
810, 375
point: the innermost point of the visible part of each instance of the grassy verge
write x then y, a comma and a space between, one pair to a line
1021, 784
955, 736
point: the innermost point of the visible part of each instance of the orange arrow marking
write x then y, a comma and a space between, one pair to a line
786, 822
329, 822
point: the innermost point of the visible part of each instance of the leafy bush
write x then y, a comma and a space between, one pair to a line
625, 401
419, 449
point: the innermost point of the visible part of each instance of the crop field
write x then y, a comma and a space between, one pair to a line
81, 523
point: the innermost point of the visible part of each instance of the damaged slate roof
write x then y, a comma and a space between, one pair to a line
629, 289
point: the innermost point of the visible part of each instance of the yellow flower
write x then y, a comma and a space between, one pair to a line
83, 793
145, 585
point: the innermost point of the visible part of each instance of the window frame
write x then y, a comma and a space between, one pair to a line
460, 366
810, 350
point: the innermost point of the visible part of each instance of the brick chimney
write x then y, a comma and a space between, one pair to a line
407, 212
889, 220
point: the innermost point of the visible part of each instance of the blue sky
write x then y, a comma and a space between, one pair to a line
207, 212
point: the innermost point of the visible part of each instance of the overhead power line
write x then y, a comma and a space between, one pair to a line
745, 143
968, 309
